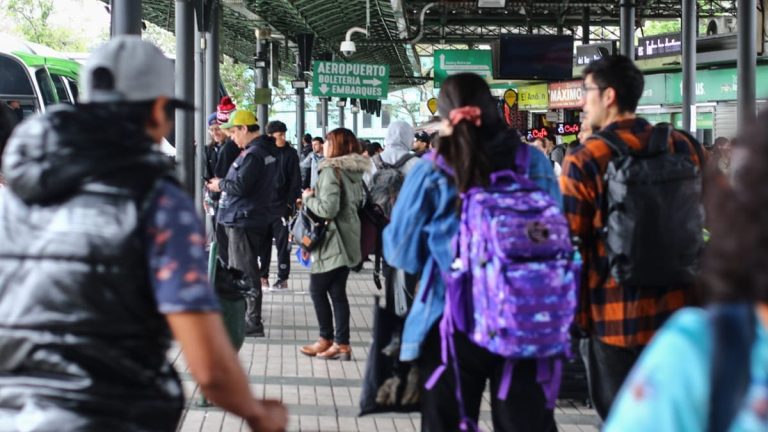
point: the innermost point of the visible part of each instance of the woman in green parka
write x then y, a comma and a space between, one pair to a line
337, 196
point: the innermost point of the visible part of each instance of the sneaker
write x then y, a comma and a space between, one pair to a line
254, 329
280, 285
265, 283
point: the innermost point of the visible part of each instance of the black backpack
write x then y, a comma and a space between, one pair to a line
387, 181
653, 216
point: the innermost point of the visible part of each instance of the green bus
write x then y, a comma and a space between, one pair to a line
35, 76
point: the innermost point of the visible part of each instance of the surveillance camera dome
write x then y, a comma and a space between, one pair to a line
348, 47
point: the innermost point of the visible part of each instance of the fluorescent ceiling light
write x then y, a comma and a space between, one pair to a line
491, 3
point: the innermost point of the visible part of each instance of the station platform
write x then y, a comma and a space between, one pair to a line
323, 395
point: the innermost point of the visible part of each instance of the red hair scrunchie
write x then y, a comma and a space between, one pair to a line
470, 113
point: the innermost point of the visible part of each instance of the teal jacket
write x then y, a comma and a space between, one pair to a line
338, 202
668, 389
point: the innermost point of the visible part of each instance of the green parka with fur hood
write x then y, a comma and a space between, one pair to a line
341, 244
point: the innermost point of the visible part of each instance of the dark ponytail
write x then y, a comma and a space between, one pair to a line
466, 148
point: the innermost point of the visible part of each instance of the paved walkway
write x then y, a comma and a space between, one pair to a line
323, 395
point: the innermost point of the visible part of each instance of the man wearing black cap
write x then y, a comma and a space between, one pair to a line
421, 143
287, 191
105, 262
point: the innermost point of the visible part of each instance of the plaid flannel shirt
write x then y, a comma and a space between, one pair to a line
620, 316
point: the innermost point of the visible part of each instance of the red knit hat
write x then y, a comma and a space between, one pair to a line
225, 108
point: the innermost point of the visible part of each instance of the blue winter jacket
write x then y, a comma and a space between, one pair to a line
424, 221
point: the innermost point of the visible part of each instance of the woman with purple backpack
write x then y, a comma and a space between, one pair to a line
473, 147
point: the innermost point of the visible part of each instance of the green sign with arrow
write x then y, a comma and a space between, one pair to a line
449, 62
349, 80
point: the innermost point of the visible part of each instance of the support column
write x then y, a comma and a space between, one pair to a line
301, 107
342, 102
585, 26
185, 152
260, 74
689, 65
125, 17
200, 115
212, 63
627, 30
324, 114
355, 110
746, 63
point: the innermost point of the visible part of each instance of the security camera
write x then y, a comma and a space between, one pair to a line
348, 48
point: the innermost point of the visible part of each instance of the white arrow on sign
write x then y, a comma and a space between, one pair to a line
456, 68
324, 88
373, 82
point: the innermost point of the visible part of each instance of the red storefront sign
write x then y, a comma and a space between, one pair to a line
565, 94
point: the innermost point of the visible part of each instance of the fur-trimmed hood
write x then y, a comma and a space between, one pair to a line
353, 163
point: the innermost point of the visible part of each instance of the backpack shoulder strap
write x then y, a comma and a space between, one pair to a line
404, 160
659, 142
522, 158
733, 333
378, 162
613, 141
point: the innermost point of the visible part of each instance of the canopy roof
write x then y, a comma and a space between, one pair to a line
396, 34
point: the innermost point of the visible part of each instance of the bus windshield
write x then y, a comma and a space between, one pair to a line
47, 90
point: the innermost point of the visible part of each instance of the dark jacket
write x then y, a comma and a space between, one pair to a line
211, 157
287, 182
248, 188
226, 155
83, 344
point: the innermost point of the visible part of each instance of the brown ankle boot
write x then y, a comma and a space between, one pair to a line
316, 348
340, 352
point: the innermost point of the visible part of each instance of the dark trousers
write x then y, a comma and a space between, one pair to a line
524, 409
333, 284
222, 242
607, 368
279, 232
243, 252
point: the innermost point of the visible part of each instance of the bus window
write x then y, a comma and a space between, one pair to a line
73, 89
13, 78
46, 87
61, 88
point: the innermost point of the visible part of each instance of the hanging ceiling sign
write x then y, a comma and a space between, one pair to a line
659, 46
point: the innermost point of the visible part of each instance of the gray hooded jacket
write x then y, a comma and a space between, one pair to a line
398, 143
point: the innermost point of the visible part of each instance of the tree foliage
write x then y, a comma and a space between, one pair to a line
32, 22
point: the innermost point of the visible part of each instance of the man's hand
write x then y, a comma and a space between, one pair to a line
213, 184
214, 365
307, 193
273, 417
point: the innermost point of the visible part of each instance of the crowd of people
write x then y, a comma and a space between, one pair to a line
103, 259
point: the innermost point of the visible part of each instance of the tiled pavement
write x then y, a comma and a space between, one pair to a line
323, 395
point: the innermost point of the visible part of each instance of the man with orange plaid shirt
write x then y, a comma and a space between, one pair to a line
619, 320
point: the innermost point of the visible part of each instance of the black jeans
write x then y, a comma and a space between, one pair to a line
524, 409
222, 242
607, 368
279, 232
334, 284
243, 252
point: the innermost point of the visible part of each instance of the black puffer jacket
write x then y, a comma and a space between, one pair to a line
82, 345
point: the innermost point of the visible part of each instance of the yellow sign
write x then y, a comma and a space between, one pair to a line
432, 105
510, 97
533, 97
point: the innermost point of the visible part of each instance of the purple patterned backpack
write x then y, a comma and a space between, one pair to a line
512, 288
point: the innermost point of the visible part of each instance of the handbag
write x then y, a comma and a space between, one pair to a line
308, 229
